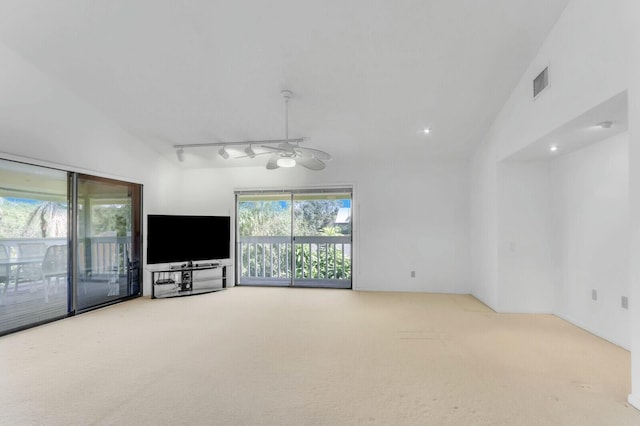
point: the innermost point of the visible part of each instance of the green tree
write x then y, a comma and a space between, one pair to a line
111, 218
317, 262
48, 220
263, 218
312, 216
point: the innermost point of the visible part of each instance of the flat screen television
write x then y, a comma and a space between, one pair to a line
173, 238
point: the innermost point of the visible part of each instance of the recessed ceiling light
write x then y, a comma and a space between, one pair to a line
553, 148
606, 124
426, 131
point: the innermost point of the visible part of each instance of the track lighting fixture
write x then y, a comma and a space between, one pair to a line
285, 152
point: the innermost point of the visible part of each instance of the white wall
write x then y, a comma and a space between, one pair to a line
41, 122
634, 182
525, 283
590, 204
414, 217
484, 225
590, 53
409, 214
563, 231
587, 55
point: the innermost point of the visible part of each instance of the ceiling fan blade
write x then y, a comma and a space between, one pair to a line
273, 162
310, 163
320, 155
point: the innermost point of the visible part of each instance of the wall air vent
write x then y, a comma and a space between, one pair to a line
540, 82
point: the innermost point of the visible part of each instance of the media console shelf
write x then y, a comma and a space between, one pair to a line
188, 279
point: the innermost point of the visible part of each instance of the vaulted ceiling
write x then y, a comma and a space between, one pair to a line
367, 75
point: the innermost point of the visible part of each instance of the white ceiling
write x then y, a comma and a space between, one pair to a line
367, 75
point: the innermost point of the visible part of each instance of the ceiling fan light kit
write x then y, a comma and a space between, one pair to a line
285, 152
286, 162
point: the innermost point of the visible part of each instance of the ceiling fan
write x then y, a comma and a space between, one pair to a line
289, 153
284, 152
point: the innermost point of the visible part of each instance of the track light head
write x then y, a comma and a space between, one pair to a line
223, 153
180, 154
250, 152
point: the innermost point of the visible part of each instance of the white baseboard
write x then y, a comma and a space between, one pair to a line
413, 290
590, 330
634, 401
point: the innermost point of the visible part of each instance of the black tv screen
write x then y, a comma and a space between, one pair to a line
172, 238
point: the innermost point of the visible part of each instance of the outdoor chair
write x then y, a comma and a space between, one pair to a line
54, 266
29, 272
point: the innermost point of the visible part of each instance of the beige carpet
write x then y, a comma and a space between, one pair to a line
273, 356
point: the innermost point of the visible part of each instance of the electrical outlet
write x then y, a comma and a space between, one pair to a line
625, 302
413, 274
594, 294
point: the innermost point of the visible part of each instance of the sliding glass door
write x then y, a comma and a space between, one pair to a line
108, 241
264, 235
54, 263
34, 238
322, 239
294, 238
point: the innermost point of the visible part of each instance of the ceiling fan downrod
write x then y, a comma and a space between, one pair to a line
286, 94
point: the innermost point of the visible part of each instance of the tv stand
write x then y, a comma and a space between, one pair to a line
189, 278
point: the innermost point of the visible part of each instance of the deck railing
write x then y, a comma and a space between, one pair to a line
268, 259
106, 255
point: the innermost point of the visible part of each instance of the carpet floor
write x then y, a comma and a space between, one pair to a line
279, 356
